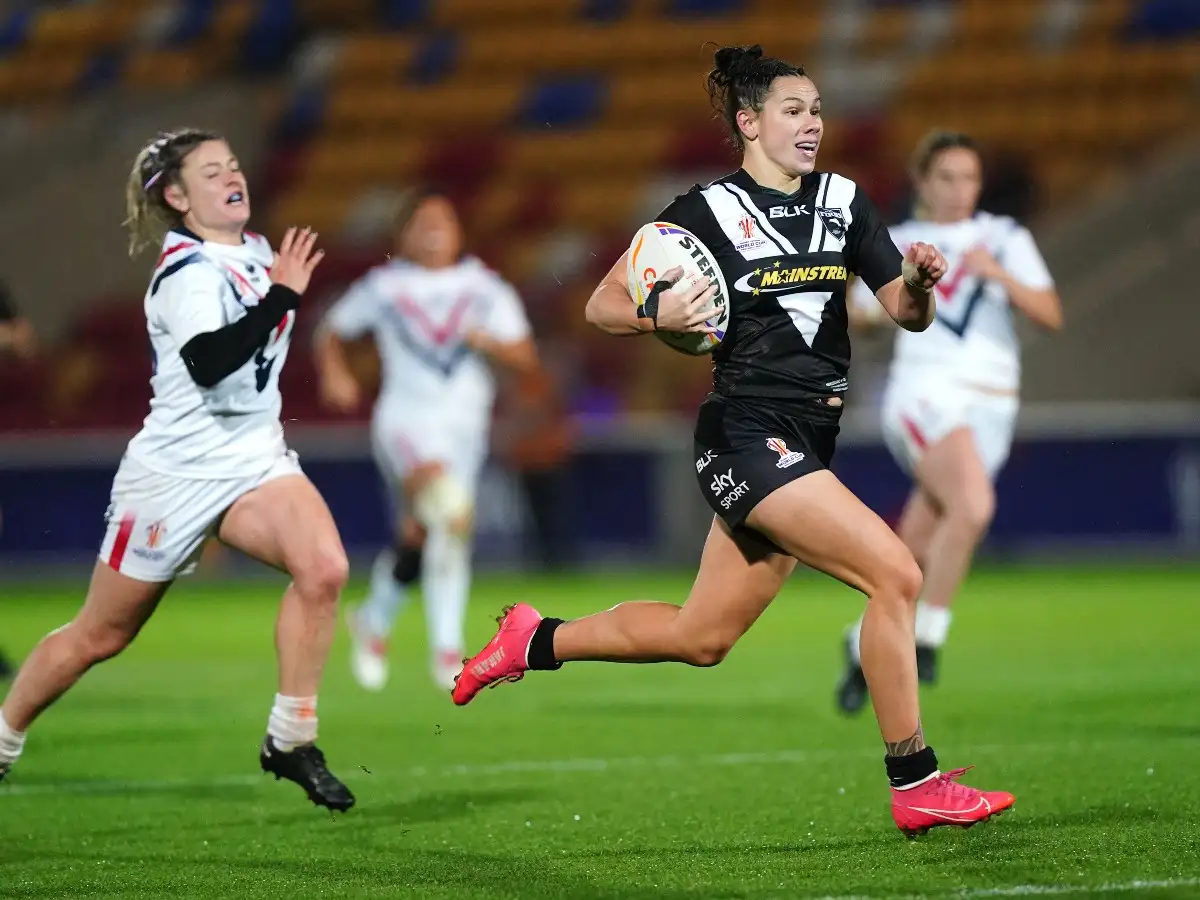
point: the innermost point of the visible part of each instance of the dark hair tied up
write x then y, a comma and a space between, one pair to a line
740, 79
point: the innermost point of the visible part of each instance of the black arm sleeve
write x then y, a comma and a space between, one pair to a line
871, 253
215, 355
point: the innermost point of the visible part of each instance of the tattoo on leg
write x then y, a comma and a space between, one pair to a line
909, 745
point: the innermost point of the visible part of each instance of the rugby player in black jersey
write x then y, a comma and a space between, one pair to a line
786, 238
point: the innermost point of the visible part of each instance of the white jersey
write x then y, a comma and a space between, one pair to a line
232, 429
972, 337
419, 318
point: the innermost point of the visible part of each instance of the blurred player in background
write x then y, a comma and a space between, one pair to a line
950, 405
438, 318
16, 337
765, 436
210, 459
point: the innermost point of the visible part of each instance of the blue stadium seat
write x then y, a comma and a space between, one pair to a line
1165, 20
563, 103
435, 59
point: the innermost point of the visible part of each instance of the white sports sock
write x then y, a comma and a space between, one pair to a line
855, 635
293, 722
933, 623
446, 581
386, 597
12, 742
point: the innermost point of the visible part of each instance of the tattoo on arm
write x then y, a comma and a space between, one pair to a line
909, 745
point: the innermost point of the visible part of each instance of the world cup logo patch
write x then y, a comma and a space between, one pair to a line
786, 457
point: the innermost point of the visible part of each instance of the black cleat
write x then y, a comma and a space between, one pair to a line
852, 692
926, 664
3, 771
6, 668
306, 767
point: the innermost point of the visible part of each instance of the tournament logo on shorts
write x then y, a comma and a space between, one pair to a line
154, 534
786, 457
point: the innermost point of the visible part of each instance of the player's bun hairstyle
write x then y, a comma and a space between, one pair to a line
935, 143
741, 78
148, 215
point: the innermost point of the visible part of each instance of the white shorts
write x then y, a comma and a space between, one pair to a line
400, 445
156, 525
919, 412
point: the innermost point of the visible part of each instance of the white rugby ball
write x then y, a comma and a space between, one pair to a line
660, 246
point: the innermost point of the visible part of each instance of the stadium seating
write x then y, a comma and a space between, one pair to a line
547, 118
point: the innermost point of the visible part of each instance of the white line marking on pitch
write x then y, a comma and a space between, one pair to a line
1043, 890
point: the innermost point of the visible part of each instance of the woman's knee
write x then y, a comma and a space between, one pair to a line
896, 576
95, 644
973, 508
705, 651
323, 574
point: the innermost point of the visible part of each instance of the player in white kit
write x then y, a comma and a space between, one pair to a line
210, 459
438, 318
950, 405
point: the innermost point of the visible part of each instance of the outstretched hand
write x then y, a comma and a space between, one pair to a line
296, 260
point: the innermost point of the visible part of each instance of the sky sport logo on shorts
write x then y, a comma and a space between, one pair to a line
786, 457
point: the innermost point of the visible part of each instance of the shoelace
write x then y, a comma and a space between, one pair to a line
947, 783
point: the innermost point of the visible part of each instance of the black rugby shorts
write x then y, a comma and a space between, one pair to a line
745, 450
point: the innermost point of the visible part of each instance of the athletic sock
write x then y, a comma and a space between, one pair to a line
385, 597
293, 722
541, 646
932, 625
905, 772
12, 742
446, 584
855, 636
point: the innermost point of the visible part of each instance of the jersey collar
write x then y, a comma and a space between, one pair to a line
746, 182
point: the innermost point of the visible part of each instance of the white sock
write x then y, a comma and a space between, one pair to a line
293, 722
386, 596
12, 742
933, 623
855, 635
446, 581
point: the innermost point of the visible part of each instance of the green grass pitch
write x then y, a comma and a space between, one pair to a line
1078, 689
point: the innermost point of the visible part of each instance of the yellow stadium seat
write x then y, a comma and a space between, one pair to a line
150, 69
324, 211
373, 58
432, 109
467, 14
673, 96
497, 206
585, 153
601, 204
886, 29
85, 26
339, 13
987, 23
365, 160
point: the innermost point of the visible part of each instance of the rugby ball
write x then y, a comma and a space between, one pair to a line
660, 246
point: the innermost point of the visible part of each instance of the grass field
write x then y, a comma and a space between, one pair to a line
1077, 689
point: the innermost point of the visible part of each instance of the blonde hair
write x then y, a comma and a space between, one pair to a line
148, 215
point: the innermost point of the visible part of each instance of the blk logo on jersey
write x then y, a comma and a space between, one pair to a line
788, 212
786, 457
835, 222
703, 461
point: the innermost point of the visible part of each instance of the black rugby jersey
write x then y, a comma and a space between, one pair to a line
786, 259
